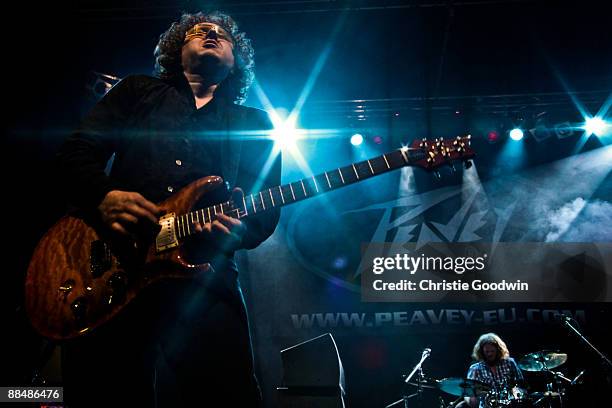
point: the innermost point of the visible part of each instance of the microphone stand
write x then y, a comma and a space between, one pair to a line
568, 324
419, 368
419, 365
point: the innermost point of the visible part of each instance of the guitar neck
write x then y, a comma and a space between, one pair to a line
303, 189
322, 183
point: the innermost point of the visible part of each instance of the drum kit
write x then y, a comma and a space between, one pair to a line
508, 395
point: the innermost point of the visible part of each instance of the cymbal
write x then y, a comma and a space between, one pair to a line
541, 360
463, 387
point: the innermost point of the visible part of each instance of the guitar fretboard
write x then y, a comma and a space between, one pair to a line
305, 188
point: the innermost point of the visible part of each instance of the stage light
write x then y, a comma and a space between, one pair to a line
378, 140
516, 134
594, 126
563, 130
285, 133
541, 129
492, 136
340, 262
356, 139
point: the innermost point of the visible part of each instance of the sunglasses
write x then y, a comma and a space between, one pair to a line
201, 30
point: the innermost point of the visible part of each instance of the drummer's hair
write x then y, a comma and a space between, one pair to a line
490, 338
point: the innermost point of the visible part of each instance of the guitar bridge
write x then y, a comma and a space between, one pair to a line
166, 238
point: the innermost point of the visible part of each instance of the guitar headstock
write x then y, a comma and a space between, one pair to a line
433, 154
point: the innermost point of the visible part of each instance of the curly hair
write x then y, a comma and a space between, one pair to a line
168, 53
493, 339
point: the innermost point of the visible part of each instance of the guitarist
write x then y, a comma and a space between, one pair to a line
182, 343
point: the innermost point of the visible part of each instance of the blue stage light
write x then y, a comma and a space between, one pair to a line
356, 139
594, 126
516, 134
285, 134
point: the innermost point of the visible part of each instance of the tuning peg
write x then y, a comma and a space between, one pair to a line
467, 164
437, 174
453, 169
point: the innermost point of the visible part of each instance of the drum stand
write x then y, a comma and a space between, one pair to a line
555, 384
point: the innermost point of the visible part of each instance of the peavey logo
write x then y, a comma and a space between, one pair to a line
421, 218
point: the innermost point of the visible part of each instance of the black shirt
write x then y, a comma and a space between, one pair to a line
159, 142
197, 340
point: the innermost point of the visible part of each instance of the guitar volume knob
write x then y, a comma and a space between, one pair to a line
79, 310
67, 286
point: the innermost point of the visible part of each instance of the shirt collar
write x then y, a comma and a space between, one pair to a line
181, 83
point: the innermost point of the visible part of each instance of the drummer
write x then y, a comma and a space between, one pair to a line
493, 366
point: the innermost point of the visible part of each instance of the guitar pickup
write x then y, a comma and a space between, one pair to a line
166, 238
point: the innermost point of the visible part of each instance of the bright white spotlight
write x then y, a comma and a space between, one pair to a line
516, 134
285, 133
594, 126
356, 139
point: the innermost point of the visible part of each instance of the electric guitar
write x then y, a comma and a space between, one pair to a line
80, 277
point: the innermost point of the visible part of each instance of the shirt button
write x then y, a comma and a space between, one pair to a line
178, 162
170, 189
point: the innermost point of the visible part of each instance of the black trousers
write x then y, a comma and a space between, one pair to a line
179, 345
